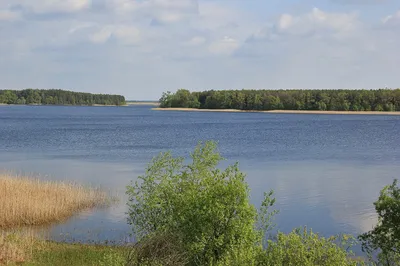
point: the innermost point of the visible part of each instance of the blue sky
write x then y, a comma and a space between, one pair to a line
140, 48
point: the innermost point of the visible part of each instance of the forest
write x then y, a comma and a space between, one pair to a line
58, 97
323, 100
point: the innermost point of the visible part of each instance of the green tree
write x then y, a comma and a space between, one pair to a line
207, 209
30, 96
21, 100
166, 100
333, 100
10, 97
197, 214
385, 237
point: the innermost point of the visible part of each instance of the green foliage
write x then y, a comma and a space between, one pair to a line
182, 98
303, 247
265, 215
163, 250
196, 214
333, 100
385, 237
112, 259
62, 254
58, 97
207, 209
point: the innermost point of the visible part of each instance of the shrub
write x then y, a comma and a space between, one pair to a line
207, 209
163, 250
197, 214
384, 239
303, 247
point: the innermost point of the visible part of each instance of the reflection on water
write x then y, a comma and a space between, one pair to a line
326, 170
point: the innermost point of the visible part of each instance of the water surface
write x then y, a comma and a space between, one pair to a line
326, 170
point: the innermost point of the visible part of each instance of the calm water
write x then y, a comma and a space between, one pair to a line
326, 170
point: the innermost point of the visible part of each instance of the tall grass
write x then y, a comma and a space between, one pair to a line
26, 247
30, 201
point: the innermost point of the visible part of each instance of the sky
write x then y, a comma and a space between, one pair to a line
141, 48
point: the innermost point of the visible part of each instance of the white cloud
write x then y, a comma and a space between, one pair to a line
162, 11
225, 46
80, 26
317, 21
392, 19
125, 34
7, 15
195, 41
102, 35
285, 22
322, 49
53, 6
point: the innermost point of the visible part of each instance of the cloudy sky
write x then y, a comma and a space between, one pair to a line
140, 48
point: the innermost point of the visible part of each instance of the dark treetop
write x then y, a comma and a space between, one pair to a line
325, 100
58, 97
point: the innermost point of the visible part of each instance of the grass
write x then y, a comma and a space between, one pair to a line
23, 249
30, 202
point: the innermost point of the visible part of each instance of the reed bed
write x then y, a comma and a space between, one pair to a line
28, 201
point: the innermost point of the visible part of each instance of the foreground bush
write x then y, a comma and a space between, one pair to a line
27, 201
207, 209
301, 247
197, 214
383, 242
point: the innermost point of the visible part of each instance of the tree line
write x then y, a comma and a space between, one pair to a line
324, 100
58, 97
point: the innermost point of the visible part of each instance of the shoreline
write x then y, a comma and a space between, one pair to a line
280, 111
143, 103
93, 105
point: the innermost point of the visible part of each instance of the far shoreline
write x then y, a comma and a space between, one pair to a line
280, 111
143, 103
82, 105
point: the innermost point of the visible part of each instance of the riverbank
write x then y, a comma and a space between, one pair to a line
280, 111
96, 105
21, 248
143, 103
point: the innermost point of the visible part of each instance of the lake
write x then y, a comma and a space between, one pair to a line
326, 170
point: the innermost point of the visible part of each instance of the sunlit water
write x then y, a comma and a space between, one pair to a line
326, 170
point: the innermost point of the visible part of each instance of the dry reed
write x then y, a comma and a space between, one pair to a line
28, 201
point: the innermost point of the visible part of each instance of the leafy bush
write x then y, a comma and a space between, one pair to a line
207, 209
384, 239
197, 214
303, 247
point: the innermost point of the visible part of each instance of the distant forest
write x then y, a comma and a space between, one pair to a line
58, 97
324, 100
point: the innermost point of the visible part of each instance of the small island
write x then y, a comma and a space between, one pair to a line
381, 101
58, 97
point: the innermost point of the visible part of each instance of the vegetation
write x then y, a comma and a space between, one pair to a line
385, 237
20, 248
27, 201
323, 100
58, 97
192, 213
204, 217
303, 247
